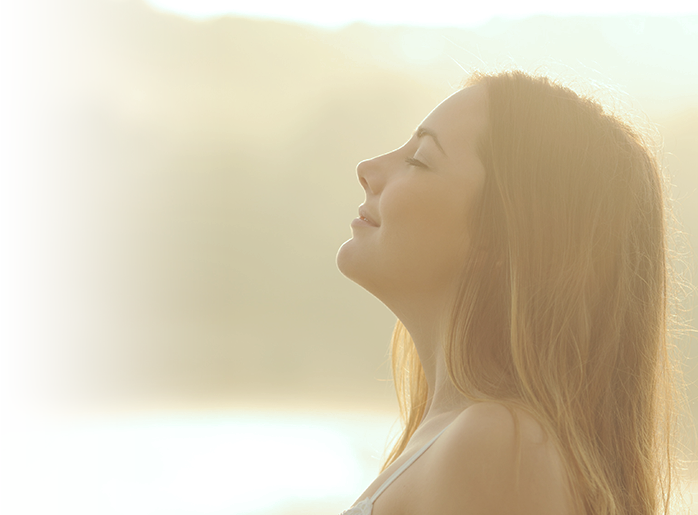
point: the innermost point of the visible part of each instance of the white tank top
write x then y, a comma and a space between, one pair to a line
365, 507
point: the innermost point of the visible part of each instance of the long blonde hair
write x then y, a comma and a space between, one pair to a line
562, 308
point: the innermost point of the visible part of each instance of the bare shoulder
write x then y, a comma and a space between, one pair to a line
493, 460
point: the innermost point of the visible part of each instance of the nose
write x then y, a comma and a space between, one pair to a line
369, 175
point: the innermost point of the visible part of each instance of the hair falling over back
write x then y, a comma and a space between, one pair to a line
562, 308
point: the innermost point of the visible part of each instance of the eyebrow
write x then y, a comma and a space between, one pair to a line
424, 131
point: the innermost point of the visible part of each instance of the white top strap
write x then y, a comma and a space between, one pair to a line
404, 467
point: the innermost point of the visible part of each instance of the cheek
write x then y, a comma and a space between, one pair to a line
428, 227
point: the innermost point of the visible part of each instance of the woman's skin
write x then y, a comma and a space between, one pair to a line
407, 249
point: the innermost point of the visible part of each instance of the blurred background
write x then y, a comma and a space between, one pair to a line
177, 177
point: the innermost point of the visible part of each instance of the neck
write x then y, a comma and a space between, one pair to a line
428, 331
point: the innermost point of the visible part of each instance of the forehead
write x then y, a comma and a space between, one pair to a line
459, 120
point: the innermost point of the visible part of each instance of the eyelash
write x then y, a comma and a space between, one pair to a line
412, 161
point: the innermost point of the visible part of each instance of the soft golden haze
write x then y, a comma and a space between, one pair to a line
176, 231
173, 193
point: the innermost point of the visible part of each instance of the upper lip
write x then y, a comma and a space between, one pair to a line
366, 216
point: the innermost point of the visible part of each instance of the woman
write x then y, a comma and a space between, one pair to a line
519, 237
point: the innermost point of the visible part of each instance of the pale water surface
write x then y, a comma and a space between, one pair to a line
233, 463
238, 463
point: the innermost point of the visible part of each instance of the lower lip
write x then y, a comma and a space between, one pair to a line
360, 222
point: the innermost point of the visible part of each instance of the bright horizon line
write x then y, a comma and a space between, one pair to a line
441, 12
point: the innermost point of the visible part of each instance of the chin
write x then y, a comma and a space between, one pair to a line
346, 257
354, 264
351, 261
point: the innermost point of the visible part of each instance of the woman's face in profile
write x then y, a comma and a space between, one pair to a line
411, 237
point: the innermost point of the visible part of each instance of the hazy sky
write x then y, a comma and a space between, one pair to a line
432, 13
152, 236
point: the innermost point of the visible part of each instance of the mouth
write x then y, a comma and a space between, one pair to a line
365, 217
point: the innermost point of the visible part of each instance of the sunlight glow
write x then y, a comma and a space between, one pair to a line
435, 13
237, 464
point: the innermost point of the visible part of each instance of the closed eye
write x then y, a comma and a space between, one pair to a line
413, 162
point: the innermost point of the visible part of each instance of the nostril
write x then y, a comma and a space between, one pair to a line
365, 171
